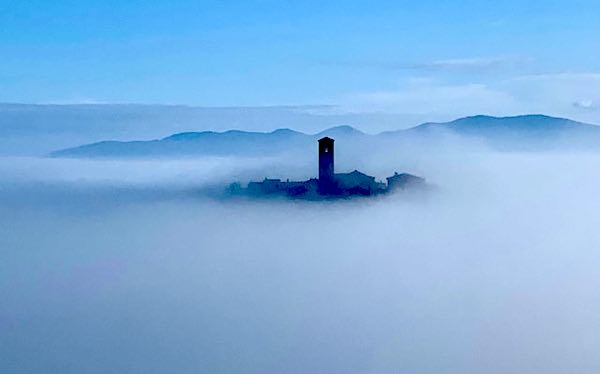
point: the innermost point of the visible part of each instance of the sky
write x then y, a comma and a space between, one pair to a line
125, 266
426, 57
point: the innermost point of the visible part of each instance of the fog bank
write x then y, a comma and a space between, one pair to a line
112, 267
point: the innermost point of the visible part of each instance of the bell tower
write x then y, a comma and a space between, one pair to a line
326, 171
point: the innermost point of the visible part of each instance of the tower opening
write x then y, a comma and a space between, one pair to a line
326, 165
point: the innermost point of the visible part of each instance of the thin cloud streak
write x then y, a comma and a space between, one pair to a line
469, 64
565, 94
452, 65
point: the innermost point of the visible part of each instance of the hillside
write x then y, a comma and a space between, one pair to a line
528, 132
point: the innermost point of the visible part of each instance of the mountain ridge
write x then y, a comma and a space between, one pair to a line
518, 132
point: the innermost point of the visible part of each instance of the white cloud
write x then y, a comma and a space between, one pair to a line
585, 104
467, 65
567, 94
427, 97
77, 101
475, 63
573, 95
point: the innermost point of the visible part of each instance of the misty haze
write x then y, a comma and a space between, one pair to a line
278, 187
126, 266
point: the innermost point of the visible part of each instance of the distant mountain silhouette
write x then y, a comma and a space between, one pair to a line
233, 142
527, 132
534, 124
340, 132
36, 129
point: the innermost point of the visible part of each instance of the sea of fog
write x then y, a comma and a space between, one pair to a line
137, 267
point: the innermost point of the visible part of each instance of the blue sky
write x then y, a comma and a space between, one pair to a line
439, 57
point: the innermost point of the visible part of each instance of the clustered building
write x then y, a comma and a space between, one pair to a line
329, 184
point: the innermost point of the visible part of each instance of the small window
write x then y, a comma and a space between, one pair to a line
326, 150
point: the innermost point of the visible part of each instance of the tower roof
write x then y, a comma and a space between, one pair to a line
326, 139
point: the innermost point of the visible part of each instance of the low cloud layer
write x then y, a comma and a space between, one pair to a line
495, 272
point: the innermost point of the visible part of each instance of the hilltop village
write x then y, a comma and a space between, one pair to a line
329, 184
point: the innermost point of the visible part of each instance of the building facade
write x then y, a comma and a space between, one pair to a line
326, 166
329, 184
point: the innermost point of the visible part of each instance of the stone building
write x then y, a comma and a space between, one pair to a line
329, 184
